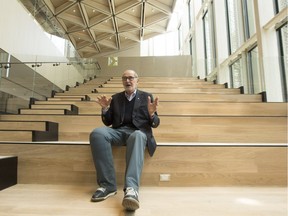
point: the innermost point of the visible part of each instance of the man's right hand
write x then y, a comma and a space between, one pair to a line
103, 101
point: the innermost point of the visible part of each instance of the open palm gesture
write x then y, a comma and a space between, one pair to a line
152, 106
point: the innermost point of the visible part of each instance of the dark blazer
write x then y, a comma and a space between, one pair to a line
140, 116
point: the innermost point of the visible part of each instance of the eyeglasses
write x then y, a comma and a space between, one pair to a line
130, 78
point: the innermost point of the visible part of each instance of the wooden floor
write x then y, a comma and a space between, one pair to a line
60, 200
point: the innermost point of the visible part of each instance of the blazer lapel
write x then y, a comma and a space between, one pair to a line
138, 98
122, 106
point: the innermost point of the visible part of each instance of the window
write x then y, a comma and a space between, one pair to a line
166, 44
235, 25
282, 33
161, 45
248, 11
235, 74
180, 36
280, 5
241, 22
254, 78
191, 47
191, 13
209, 41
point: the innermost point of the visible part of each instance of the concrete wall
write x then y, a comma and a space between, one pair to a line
170, 66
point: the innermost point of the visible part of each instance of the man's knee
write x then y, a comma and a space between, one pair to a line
96, 134
139, 134
139, 137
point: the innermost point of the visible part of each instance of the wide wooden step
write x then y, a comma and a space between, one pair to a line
98, 80
84, 87
193, 97
23, 136
23, 125
28, 130
179, 128
207, 165
172, 90
166, 85
67, 97
81, 90
191, 108
84, 107
222, 109
160, 79
71, 107
51, 111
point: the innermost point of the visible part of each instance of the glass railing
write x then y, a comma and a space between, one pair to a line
22, 81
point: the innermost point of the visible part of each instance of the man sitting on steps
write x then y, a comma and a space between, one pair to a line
132, 114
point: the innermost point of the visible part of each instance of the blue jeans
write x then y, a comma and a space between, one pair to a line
101, 141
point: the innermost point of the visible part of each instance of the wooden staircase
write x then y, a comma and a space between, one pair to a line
209, 135
28, 131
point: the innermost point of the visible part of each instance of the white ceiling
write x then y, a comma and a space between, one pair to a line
101, 27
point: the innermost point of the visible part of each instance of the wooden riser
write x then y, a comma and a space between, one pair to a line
8, 171
180, 129
194, 109
195, 97
172, 90
21, 136
188, 166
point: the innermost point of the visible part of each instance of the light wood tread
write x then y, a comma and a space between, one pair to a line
189, 108
180, 129
173, 90
166, 85
23, 125
173, 97
53, 105
43, 111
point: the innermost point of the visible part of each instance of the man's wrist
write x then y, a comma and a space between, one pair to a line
105, 109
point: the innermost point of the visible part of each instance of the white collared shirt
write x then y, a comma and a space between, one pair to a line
130, 97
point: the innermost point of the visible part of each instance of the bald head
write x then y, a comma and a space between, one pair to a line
129, 72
